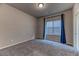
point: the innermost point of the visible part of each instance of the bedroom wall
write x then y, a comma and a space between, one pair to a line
68, 18
15, 26
40, 27
76, 26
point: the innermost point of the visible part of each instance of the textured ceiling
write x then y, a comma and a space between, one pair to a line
49, 8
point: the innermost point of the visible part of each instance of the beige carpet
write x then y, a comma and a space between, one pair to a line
39, 48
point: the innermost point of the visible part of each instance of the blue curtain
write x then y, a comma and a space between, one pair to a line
44, 29
63, 38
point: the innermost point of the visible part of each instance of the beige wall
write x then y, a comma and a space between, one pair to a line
76, 25
68, 17
55, 38
40, 27
15, 26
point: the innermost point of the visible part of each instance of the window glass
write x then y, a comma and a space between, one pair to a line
53, 27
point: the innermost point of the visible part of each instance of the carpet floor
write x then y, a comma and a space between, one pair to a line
39, 48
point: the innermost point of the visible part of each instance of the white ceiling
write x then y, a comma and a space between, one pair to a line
49, 8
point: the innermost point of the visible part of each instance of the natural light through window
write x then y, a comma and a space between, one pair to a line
53, 27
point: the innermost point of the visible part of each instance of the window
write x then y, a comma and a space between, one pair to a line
53, 27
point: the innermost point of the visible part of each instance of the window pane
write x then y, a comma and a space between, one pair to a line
49, 24
50, 30
57, 23
53, 27
57, 30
